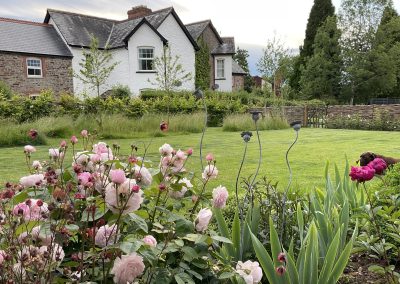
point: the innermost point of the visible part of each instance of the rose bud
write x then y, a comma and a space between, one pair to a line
280, 270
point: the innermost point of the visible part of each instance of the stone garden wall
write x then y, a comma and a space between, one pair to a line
307, 114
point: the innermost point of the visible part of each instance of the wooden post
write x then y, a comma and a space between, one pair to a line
305, 116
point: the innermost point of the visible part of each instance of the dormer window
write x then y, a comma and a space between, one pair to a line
146, 58
34, 68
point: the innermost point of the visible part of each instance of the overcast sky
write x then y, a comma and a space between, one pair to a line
251, 22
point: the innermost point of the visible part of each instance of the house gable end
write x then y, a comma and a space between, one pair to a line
145, 22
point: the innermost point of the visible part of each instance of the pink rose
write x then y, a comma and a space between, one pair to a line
379, 165
166, 150
127, 268
84, 133
220, 195
85, 179
31, 180
21, 209
362, 174
117, 176
29, 149
209, 157
150, 240
74, 140
202, 220
107, 235
101, 148
250, 271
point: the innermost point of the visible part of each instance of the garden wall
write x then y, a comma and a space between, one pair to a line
310, 115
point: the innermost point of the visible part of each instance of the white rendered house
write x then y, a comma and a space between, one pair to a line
134, 43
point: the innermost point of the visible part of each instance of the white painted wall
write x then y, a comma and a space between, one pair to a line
143, 37
225, 85
126, 72
180, 45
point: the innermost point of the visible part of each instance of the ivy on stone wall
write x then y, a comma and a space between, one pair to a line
203, 68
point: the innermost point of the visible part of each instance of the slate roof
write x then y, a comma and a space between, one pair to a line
78, 28
236, 69
32, 38
197, 28
228, 47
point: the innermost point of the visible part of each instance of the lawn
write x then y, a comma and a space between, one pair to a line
308, 157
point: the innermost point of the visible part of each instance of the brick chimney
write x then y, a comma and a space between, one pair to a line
138, 12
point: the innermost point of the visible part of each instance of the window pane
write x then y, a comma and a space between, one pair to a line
38, 72
31, 71
220, 68
33, 63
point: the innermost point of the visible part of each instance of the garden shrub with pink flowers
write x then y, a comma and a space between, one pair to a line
113, 216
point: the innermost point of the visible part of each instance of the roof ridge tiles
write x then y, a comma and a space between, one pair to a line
199, 22
17, 21
82, 14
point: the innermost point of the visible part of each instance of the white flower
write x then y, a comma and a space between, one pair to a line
203, 218
55, 153
210, 172
250, 271
36, 165
142, 175
31, 180
166, 150
29, 149
220, 195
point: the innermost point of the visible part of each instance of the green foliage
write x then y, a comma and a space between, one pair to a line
359, 20
5, 91
379, 230
114, 126
320, 11
202, 66
121, 92
96, 66
273, 64
307, 267
321, 77
239, 248
240, 122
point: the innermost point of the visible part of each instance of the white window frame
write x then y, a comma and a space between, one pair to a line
145, 58
218, 69
40, 67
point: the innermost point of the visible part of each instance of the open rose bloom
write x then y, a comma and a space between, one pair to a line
91, 213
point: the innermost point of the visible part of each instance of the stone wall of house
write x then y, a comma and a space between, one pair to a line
212, 42
237, 82
56, 74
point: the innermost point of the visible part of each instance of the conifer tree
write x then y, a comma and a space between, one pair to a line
320, 10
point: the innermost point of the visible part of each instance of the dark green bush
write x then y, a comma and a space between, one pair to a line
5, 91
121, 92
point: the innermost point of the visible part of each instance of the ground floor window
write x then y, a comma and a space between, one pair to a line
146, 58
34, 67
220, 68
